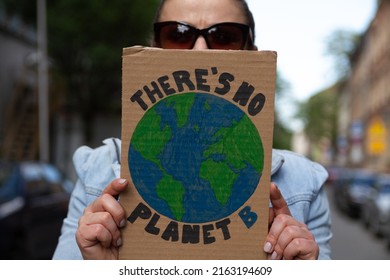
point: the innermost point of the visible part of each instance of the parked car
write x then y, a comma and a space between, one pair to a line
387, 235
352, 189
335, 172
376, 210
339, 186
33, 203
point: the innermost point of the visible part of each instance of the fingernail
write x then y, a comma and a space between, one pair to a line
119, 242
274, 255
122, 181
268, 247
122, 223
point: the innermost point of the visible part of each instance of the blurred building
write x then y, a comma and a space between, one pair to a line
19, 110
18, 106
364, 117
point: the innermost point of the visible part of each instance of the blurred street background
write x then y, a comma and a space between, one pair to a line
60, 88
352, 240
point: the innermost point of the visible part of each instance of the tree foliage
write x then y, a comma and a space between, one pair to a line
320, 112
320, 115
282, 134
340, 46
85, 42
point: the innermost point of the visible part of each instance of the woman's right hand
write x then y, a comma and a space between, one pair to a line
288, 238
98, 235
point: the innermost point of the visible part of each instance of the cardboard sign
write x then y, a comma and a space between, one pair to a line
197, 132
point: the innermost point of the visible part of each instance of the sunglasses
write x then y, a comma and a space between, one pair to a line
178, 35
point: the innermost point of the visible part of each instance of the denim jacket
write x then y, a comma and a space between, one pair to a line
299, 179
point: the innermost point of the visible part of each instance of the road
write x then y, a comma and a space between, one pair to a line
351, 241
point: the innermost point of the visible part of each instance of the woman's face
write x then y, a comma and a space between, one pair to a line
202, 14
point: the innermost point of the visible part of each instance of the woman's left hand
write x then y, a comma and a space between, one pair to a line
287, 238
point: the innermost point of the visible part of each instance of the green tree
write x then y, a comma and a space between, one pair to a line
282, 134
85, 42
86, 39
340, 47
319, 115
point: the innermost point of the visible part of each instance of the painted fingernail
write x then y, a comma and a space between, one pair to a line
122, 223
119, 242
268, 247
122, 181
274, 255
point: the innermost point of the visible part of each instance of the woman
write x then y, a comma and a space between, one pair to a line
299, 219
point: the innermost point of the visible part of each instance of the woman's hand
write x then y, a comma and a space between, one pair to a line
287, 238
98, 235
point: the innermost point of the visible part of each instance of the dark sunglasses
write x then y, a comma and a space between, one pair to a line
223, 36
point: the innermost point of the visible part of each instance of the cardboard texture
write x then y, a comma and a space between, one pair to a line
197, 132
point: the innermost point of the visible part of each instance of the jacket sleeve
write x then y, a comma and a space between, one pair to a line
95, 168
67, 247
301, 182
319, 223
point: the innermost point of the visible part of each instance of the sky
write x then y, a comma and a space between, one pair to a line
298, 30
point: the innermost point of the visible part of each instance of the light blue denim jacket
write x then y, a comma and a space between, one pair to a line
299, 179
